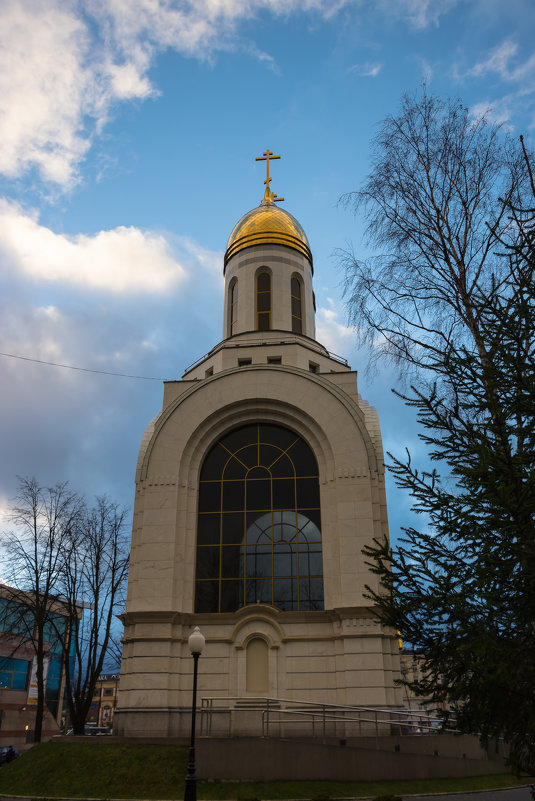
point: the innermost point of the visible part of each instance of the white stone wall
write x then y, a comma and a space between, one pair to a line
339, 655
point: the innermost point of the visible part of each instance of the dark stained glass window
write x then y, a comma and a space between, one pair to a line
263, 301
297, 313
233, 307
259, 529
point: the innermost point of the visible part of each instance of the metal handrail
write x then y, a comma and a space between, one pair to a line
267, 719
208, 701
404, 719
289, 340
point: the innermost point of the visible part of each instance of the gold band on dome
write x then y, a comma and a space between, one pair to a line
267, 239
267, 224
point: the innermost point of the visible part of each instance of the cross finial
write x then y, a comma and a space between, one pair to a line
269, 197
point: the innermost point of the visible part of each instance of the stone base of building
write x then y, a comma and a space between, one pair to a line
339, 657
168, 724
267, 718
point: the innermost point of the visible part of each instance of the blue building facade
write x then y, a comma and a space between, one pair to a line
18, 687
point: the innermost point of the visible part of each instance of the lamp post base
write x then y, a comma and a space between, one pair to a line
190, 784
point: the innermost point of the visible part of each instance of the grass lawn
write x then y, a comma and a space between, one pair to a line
77, 770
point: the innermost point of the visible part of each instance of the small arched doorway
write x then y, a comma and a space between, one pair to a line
257, 666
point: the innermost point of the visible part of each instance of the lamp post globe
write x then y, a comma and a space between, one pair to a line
196, 641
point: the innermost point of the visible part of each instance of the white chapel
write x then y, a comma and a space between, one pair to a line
258, 484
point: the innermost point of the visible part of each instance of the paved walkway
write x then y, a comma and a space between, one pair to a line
509, 794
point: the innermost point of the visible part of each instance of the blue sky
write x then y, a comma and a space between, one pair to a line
128, 136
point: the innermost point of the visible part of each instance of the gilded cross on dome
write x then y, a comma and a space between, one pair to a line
269, 197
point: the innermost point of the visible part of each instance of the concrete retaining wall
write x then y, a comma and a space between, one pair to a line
359, 759
385, 758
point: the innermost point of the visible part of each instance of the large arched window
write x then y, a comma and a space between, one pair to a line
297, 306
259, 527
263, 301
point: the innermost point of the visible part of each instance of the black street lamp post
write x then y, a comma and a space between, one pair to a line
196, 644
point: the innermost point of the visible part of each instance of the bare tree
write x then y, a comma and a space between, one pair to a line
436, 202
96, 571
43, 519
66, 570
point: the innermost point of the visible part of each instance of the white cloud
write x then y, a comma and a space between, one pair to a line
368, 70
5, 508
499, 111
123, 260
334, 335
503, 61
498, 61
78, 424
65, 63
127, 83
426, 69
42, 88
210, 261
419, 14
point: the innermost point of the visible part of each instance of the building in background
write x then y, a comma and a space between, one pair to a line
104, 700
18, 686
257, 487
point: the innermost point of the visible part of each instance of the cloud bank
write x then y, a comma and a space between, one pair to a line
143, 316
65, 64
120, 260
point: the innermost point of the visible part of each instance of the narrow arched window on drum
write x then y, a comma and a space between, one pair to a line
263, 301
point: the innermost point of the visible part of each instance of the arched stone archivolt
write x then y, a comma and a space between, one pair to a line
240, 413
257, 621
257, 638
326, 400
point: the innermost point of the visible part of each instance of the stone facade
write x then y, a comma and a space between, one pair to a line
337, 654
104, 701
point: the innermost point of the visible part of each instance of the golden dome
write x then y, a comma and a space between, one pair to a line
267, 224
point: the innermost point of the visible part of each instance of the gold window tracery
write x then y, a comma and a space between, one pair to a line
259, 524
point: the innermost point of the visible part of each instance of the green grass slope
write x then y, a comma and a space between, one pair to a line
78, 770
104, 771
